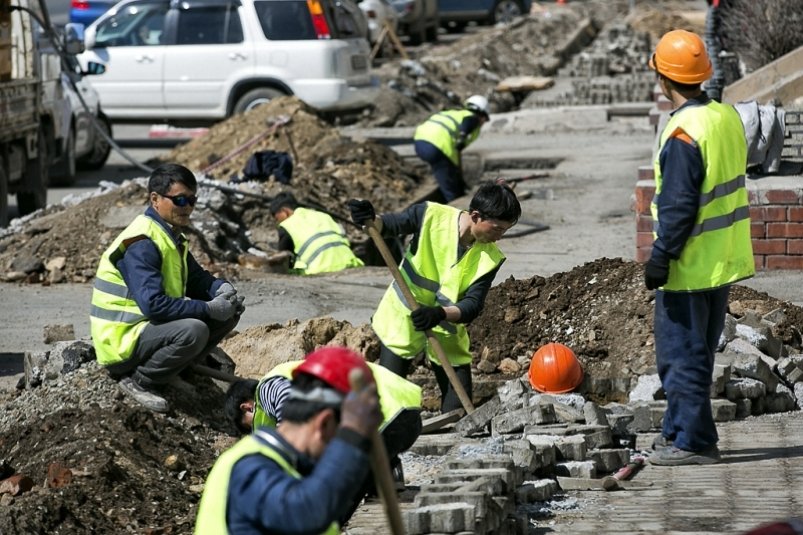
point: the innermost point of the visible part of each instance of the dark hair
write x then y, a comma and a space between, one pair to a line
496, 201
168, 174
238, 393
299, 410
284, 199
681, 88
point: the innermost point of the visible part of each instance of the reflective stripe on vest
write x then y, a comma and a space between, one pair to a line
719, 250
211, 518
442, 130
115, 318
395, 393
435, 276
320, 244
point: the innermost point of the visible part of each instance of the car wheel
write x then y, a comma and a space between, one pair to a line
256, 97
505, 11
63, 173
101, 148
34, 193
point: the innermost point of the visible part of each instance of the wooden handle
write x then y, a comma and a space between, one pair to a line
380, 466
413, 305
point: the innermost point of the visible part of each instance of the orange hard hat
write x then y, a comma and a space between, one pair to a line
555, 369
681, 57
332, 365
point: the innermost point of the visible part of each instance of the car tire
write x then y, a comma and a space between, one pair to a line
101, 148
431, 32
505, 11
33, 196
63, 173
256, 97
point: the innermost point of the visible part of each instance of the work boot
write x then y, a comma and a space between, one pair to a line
671, 456
138, 393
660, 442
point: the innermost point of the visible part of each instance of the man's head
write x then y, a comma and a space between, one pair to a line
478, 105
493, 210
681, 62
283, 205
240, 404
171, 191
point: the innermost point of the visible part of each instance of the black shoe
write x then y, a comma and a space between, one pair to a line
671, 456
138, 393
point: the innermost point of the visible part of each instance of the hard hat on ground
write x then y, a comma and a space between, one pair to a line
681, 57
477, 104
332, 365
554, 369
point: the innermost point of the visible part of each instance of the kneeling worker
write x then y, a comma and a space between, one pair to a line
304, 475
316, 242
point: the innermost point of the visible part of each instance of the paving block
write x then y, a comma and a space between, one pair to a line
754, 366
494, 480
609, 460
567, 414
647, 388
762, 338
596, 436
782, 400
758, 406
513, 394
657, 410
798, 391
482, 503
536, 491
439, 444
523, 455
510, 421
587, 469
544, 446
571, 448
744, 408
444, 518
479, 421
620, 424
720, 376
745, 388
789, 370
723, 410
487, 462
549, 429
594, 415
642, 417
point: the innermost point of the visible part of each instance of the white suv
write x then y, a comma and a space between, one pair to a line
189, 60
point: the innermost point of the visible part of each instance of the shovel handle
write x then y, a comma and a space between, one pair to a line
413, 305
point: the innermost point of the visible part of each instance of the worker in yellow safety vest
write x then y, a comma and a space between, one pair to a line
315, 241
702, 244
305, 474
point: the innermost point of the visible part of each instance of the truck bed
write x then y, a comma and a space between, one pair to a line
18, 108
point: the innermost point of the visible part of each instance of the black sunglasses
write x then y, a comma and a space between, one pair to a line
181, 200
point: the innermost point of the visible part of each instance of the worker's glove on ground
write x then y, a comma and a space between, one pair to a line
221, 308
362, 212
427, 317
655, 274
239, 307
360, 411
225, 288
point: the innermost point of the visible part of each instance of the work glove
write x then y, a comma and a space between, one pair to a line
225, 288
656, 274
239, 307
360, 411
221, 308
362, 211
426, 317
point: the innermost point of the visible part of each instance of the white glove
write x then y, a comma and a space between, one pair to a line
225, 288
221, 308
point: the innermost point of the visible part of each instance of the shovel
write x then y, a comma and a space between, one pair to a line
413, 305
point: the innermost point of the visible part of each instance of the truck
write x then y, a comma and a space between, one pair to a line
34, 109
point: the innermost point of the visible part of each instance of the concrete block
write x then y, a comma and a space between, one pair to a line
494, 480
744, 408
487, 462
609, 460
510, 421
721, 375
745, 388
571, 448
789, 370
545, 447
479, 421
657, 410
758, 406
594, 415
728, 332
549, 429
513, 394
576, 469
647, 388
620, 423
438, 444
536, 491
567, 414
444, 518
723, 410
762, 338
482, 503
782, 400
596, 436
523, 455
798, 391
642, 418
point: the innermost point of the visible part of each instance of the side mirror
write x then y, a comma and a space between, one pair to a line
93, 67
73, 38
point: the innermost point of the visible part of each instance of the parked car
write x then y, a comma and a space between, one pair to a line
378, 13
455, 14
204, 60
86, 11
418, 19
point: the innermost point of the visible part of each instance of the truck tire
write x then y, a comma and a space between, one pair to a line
33, 195
3, 195
255, 97
100, 147
63, 173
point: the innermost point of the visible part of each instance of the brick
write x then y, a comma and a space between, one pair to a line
782, 196
768, 213
769, 247
643, 254
646, 172
644, 239
794, 213
644, 223
758, 230
645, 191
783, 262
759, 261
794, 247
784, 230
16, 485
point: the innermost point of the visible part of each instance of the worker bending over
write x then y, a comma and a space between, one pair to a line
315, 241
702, 244
449, 266
440, 140
303, 475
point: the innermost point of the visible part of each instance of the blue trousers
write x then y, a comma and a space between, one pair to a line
448, 175
687, 329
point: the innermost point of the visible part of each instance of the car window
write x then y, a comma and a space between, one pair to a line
134, 25
285, 20
209, 26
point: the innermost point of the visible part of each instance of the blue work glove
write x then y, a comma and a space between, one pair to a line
222, 307
362, 211
225, 288
427, 317
656, 274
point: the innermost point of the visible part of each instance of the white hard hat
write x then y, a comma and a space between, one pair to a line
477, 104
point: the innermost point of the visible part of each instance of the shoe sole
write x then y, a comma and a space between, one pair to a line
686, 461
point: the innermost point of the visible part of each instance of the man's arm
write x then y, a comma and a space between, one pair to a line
403, 223
473, 301
464, 130
272, 395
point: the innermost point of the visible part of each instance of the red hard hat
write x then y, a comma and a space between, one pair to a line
555, 369
332, 365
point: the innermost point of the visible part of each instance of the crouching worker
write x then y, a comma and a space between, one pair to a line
302, 476
314, 242
252, 405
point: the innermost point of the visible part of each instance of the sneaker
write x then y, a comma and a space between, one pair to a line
147, 399
671, 456
660, 442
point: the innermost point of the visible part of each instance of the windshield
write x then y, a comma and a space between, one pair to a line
134, 25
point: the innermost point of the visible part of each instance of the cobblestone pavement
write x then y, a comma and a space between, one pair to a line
759, 480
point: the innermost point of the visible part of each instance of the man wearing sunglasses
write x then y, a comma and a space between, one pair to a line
155, 310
